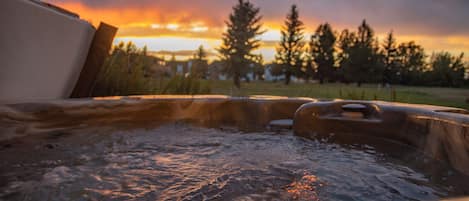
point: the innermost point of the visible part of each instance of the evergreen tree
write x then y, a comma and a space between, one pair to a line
131, 52
322, 47
309, 68
447, 70
240, 39
411, 63
364, 53
145, 61
258, 67
200, 66
173, 64
345, 43
365, 62
390, 73
145, 50
290, 51
201, 53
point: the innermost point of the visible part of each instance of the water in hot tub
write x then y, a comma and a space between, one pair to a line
177, 162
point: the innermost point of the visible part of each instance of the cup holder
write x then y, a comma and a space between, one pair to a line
355, 111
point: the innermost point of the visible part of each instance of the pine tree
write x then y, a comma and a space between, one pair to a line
130, 51
365, 62
447, 70
290, 51
258, 67
411, 63
200, 66
322, 47
200, 54
145, 50
145, 61
363, 53
240, 39
308, 68
390, 71
345, 44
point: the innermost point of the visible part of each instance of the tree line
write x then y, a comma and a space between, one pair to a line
347, 56
329, 56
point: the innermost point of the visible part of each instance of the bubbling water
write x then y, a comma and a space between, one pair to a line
178, 162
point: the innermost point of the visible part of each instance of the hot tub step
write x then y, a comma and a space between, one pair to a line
280, 124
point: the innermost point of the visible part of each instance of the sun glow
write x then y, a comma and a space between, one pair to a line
167, 42
173, 27
155, 26
199, 29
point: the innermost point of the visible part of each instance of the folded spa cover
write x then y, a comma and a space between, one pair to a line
43, 50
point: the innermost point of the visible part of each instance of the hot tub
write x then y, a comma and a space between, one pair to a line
228, 148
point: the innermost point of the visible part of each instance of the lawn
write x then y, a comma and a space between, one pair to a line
455, 97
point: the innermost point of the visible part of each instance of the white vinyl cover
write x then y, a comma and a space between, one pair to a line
42, 51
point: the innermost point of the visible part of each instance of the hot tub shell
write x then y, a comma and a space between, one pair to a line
439, 132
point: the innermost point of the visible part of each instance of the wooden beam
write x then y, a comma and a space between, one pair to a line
99, 50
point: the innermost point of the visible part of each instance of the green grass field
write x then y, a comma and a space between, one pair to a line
455, 97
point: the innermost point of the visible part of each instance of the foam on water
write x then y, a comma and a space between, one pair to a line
179, 162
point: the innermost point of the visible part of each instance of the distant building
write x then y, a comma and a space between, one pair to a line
268, 76
157, 67
180, 67
216, 71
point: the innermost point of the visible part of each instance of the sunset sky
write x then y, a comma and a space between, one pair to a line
180, 26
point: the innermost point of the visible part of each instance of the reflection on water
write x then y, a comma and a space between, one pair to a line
305, 188
178, 162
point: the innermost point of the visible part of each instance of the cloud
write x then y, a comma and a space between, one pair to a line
423, 17
436, 24
122, 12
156, 30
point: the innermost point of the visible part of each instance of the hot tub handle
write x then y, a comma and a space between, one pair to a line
355, 107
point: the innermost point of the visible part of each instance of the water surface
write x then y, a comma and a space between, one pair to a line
178, 162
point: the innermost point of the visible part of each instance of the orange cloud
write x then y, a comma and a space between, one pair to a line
203, 20
147, 22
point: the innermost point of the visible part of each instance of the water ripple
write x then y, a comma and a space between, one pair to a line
184, 163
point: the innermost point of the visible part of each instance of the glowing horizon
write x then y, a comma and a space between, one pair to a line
177, 27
